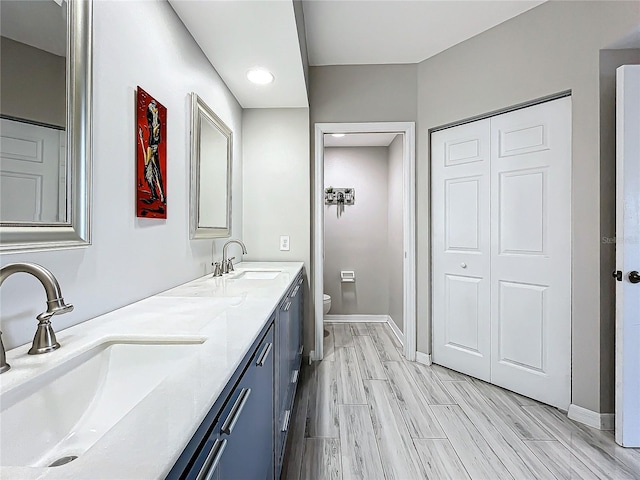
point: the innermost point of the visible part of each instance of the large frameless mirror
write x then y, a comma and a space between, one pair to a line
45, 131
211, 147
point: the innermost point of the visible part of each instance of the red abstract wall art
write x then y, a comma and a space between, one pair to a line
151, 154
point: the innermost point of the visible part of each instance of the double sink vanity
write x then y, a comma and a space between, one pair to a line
196, 382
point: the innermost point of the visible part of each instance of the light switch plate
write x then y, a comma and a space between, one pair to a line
284, 243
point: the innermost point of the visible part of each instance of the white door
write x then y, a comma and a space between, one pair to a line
32, 173
628, 256
530, 251
461, 248
501, 226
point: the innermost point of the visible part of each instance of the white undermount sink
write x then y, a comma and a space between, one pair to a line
257, 274
61, 413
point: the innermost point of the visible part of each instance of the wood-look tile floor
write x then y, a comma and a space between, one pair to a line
365, 413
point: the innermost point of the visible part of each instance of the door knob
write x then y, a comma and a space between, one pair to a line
634, 277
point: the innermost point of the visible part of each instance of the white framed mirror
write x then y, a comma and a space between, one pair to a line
211, 147
45, 144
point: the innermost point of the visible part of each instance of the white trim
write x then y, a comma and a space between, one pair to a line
601, 421
423, 358
396, 331
409, 234
356, 318
408, 222
318, 243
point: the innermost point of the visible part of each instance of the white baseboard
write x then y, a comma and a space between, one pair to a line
423, 358
394, 328
356, 318
601, 421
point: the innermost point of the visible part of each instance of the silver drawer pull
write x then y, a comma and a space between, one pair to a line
287, 307
234, 414
295, 292
301, 349
285, 422
265, 353
294, 376
212, 460
300, 281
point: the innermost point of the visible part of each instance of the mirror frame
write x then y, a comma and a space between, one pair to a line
198, 106
76, 230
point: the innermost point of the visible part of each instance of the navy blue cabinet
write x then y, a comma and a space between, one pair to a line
243, 436
239, 426
289, 343
247, 423
282, 411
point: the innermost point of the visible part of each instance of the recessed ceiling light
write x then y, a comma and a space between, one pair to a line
337, 135
260, 76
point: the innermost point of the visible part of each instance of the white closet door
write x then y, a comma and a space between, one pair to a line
461, 248
531, 251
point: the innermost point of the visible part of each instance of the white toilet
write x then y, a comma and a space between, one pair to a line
326, 302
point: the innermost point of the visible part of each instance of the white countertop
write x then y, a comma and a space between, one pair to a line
145, 444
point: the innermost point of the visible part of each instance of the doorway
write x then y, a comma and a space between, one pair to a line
407, 130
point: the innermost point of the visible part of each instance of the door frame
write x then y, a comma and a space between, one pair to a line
408, 225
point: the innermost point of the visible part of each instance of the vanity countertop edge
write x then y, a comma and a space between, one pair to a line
226, 312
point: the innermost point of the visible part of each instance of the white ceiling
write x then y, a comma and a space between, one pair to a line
397, 31
360, 140
239, 35
41, 24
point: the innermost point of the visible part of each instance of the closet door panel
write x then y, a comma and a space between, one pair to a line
522, 321
522, 212
530, 258
461, 248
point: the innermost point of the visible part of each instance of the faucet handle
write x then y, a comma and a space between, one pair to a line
230, 265
217, 271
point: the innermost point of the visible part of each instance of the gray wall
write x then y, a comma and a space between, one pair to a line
363, 93
549, 49
395, 244
356, 236
276, 189
33, 83
610, 60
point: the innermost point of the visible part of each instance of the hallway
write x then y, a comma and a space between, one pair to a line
366, 413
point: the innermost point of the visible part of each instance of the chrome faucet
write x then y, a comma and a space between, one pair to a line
45, 338
227, 264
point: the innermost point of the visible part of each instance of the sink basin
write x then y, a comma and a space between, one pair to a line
59, 414
258, 274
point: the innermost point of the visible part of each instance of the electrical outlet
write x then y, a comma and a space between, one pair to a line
284, 243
